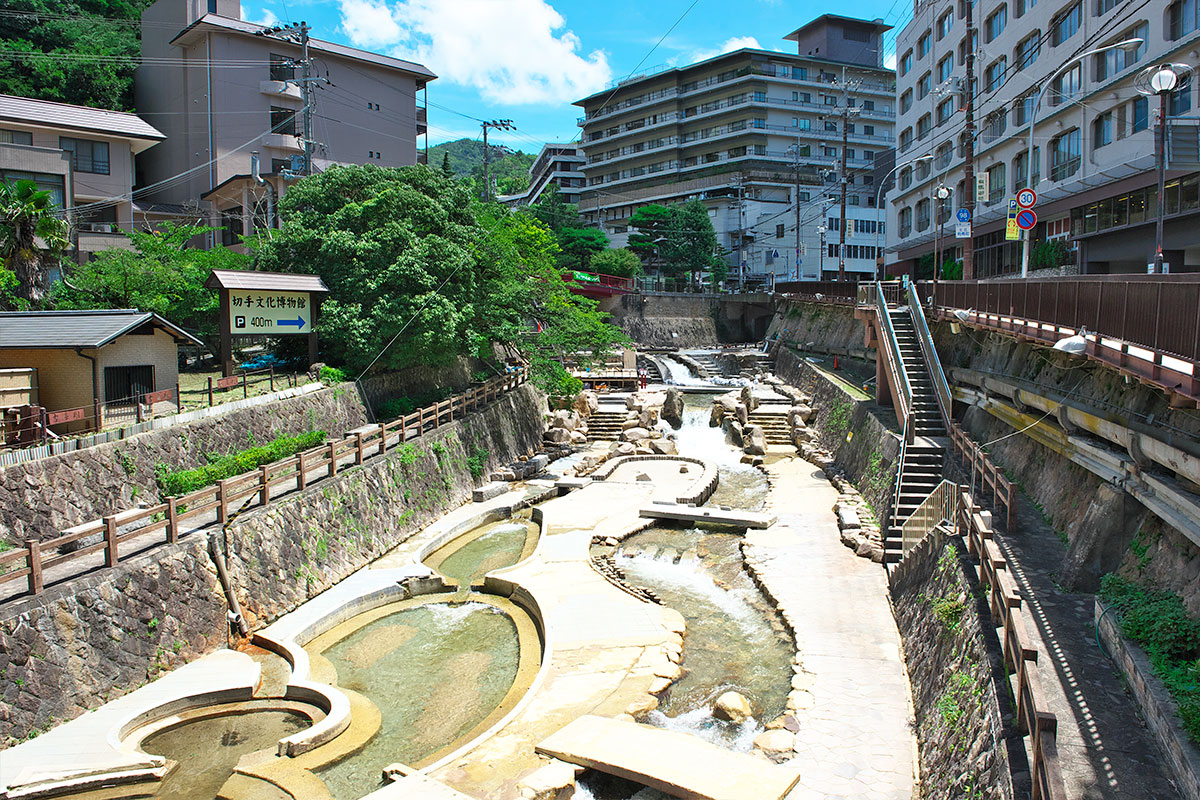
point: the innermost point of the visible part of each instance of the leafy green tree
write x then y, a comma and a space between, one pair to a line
555, 212
32, 237
649, 225
578, 245
691, 243
620, 261
162, 273
8, 291
446, 165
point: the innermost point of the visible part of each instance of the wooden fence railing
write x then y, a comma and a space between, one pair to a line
1020, 653
986, 475
167, 518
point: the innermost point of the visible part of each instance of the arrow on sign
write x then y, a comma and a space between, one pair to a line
296, 323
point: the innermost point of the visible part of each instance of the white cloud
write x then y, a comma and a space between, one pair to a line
265, 17
734, 43
369, 23
515, 52
889, 61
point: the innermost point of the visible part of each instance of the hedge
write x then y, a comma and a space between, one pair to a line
173, 484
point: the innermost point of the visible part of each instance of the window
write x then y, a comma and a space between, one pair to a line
943, 26
1141, 114
45, 182
1065, 25
124, 384
868, 155
924, 85
923, 45
1027, 50
905, 63
850, 154
831, 152
924, 125
800, 73
994, 75
996, 23
805, 97
923, 214
282, 67
779, 231
1023, 108
964, 49
906, 219
906, 138
831, 126
945, 154
86, 155
906, 178
283, 120
868, 130
1179, 102
1066, 85
1102, 130
805, 124
945, 67
906, 101
997, 183
1023, 6
760, 97
1112, 62
1021, 169
868, 105
15, 137
1104, 6
853, 200
1184, 18
829, 99
1064, 155
923, 170
945, 110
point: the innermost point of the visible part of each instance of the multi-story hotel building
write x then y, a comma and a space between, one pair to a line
221, 91
1093, 160
753, 134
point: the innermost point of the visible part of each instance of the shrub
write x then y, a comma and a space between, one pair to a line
331, 375
173, 484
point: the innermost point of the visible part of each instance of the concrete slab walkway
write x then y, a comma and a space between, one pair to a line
854, 738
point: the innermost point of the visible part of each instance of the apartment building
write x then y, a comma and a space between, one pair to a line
83, 156
221, 91
1093, 158
754, 134
558, 164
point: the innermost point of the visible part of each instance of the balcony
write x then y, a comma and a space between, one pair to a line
282, 141
422, 120
280, 89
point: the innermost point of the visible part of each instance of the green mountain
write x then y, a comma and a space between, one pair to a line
509, 168
72, 51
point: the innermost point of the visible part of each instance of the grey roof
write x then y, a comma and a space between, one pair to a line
69, 329
80, 118
266, 281
242, 26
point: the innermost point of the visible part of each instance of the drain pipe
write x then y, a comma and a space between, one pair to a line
235, 609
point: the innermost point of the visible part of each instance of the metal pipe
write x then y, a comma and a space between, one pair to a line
235, 608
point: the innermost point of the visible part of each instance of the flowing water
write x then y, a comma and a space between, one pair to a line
679, 374
436, 671
741, 485
207, 750
496, 545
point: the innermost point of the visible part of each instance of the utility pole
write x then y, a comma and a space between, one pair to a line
846, 88
795, 148
501, 124
298, 32
737, 182
969, 147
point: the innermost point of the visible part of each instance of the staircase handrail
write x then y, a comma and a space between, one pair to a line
932, 362
892, 515
892, 351
940, 506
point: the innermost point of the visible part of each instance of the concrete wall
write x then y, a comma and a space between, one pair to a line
78, 645
660, 321
159, 350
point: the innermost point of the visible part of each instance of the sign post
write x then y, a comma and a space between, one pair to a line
962, 227
1011, 231
266, 304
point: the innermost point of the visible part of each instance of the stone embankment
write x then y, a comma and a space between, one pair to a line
80, 644
657, 321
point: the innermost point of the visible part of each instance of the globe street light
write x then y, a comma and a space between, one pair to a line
1161, 80
1129, 46
941, 193
821, 269
879, 200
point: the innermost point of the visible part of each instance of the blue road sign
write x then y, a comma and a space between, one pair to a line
964, 215
296, 323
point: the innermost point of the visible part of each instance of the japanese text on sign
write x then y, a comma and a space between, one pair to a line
269, 312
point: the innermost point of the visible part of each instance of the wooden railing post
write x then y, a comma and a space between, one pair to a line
34, 556
110, 540
245, 388
332, 459
301, 478
358, 447
172, 519
210, 393
222, 512
272, 368
138, 401
264, 484
178, 399
383, 434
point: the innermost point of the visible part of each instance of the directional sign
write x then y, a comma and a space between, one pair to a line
1026, 198
257, 311
1011, 231
964, 215
1026, 219
962, 230
587, 277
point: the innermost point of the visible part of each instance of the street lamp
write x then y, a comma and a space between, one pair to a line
879, 200
1129, 45
1161, 80
941, 193
821, 269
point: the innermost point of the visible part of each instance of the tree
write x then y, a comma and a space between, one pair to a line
29, 215
578, 245
649, 225
555, 212
691, 243
621, 262
446, 165
162, 273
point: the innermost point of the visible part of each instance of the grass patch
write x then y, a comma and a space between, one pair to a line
1159, 623
173, 484
949, 611
477, 461
952, 704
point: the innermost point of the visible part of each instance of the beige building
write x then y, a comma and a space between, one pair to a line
108, 357
221, 91
557, 164
83, 156
1093, 158
754, 134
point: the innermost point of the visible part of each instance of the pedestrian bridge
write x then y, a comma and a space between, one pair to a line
676, 763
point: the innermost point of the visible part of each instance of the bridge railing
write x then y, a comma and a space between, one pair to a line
584, 278
250, 488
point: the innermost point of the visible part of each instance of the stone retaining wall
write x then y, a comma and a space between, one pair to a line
653, 321
957, 679
79, 644
39, 499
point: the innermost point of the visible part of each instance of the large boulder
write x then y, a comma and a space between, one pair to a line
564, 419
748, 399
625, 449
742, 413
635, 435
672, 410
716, 416
732, 707
754, 440
648, 417
557, 436
663, 447
586, 403
802, 412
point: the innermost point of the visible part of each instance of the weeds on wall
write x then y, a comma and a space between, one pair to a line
173, 484
1160, 624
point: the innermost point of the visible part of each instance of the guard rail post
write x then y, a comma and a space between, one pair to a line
172, 520
264, 484
34, 555
110, 540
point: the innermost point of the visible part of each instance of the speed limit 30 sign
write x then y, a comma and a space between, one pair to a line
1026, 198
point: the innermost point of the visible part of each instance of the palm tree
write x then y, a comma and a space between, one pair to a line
27, 215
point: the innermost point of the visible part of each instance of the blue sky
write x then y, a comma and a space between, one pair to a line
527, 60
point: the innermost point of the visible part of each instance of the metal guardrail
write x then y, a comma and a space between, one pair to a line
932, 362
892, 351
940, 506
166, 518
